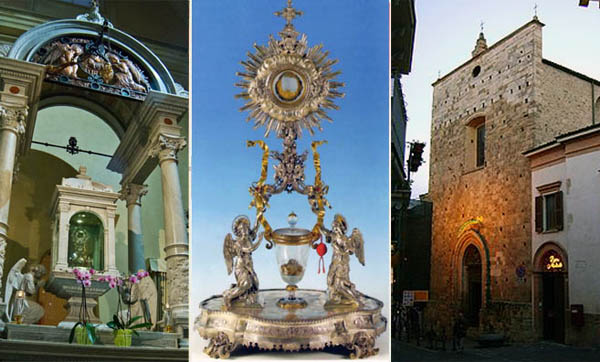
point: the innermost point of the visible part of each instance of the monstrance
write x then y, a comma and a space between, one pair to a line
288, 87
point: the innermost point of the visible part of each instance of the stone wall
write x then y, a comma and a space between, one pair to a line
525, 102
504, 93
565, 103
513, 320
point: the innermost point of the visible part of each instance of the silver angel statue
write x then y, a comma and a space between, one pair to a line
341, 290
238, 258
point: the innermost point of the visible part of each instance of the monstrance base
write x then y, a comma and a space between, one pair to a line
276, 328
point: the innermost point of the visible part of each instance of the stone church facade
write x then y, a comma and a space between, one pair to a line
505, 100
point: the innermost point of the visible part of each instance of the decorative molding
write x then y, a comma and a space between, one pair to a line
4, 49
132, 193
29, 43
13, 118
166, 147
549, 188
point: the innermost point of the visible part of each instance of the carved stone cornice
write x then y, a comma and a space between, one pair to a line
132, 193
166, 147
13, 118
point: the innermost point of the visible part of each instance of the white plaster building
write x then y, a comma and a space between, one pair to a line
565, 191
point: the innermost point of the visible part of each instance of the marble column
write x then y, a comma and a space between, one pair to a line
132, 194
12, 125
166, 148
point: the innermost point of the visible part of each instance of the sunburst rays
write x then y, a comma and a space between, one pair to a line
313, 67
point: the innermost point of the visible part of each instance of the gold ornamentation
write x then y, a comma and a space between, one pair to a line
280, 236
288, 87
88, 63
261, 192
316, 193
288, 13
288, 84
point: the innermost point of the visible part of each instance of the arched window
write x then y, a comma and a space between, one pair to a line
475, 144
86, 241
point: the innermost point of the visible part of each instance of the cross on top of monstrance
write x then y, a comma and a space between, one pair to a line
288, 13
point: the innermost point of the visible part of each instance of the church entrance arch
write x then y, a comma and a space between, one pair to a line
472, 285
471, 263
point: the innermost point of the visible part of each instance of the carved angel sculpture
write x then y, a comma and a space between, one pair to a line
126, 75
339, 287
15, 281
63, 58
238, 258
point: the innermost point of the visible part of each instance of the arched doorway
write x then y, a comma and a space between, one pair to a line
551, 292
472, 286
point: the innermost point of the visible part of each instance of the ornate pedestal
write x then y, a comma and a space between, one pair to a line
274, 328
63, 285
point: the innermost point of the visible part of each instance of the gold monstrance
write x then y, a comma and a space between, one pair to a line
288, 87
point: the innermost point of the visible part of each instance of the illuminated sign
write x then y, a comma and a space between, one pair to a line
554, 263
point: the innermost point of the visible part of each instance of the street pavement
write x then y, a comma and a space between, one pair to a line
532, 352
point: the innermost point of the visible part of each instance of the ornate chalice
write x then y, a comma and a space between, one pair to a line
288, 87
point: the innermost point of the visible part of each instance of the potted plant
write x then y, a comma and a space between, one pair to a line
83, 331
125, 327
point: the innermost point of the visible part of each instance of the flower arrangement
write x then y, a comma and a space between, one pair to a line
83, 329
124, 327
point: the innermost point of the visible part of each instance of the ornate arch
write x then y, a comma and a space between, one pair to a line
28, 44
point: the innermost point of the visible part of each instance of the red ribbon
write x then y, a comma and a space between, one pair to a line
321, 250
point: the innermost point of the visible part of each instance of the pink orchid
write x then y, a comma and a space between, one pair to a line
133, 279
87, 283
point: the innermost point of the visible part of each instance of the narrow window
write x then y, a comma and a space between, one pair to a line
550, 219
481, 145
549, 212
